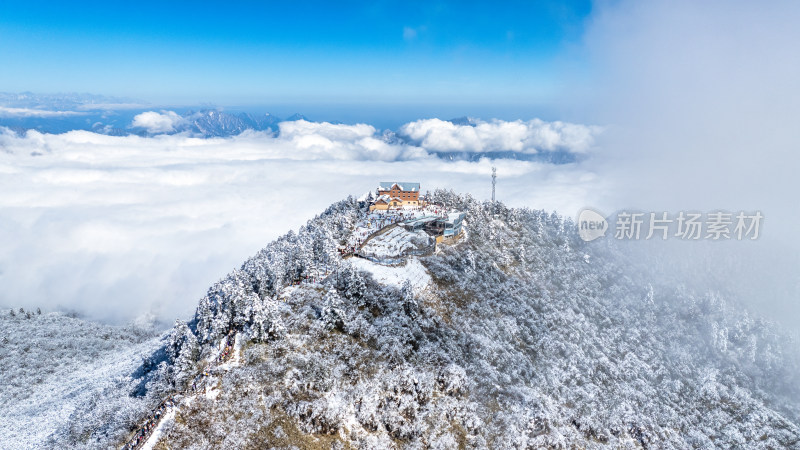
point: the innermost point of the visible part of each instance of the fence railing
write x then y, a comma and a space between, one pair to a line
427, 250
401, 258
382, 261
377, 233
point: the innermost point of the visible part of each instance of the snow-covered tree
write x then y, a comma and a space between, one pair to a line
183, 351
333, 314
265, 323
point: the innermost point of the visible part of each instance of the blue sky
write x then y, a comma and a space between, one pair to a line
239, 53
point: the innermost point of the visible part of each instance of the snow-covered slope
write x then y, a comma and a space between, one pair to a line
412, 272
66, 382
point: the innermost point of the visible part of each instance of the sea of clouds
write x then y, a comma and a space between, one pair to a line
122, 227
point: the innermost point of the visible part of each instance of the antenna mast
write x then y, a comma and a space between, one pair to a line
494, 181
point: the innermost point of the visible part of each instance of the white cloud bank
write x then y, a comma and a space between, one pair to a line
155, 122
436, 135
311, 139
117, 227
530, 137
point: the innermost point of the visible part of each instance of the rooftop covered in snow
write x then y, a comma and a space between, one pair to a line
403, 185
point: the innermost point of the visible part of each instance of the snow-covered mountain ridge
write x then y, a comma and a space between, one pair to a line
517, 343
514, 341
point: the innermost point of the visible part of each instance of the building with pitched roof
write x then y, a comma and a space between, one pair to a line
396, 194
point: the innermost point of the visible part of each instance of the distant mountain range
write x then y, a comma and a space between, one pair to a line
203, 123
59, 113
215, 123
